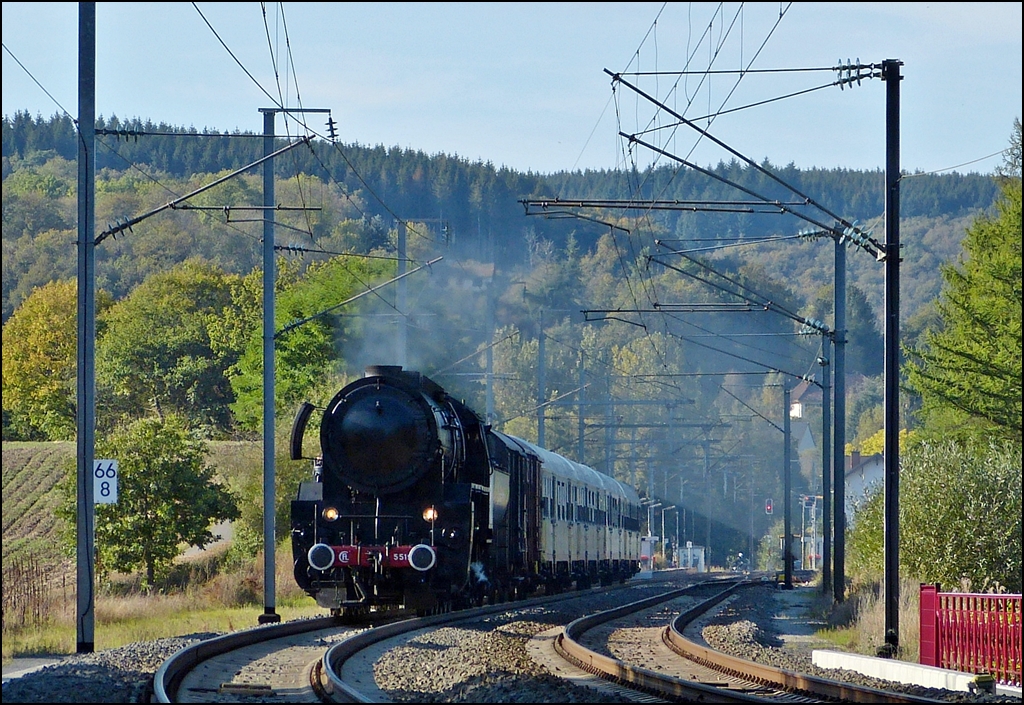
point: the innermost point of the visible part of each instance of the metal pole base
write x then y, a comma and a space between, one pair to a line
269, 617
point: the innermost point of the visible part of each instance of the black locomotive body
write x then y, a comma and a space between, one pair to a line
416, 503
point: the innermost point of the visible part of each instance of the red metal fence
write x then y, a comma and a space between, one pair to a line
972, 633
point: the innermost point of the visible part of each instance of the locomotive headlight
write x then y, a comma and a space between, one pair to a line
430, 514
329, 513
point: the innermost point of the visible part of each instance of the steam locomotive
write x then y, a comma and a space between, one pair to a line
416, 503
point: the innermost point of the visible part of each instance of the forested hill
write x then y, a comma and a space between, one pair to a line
414, 183
475, 205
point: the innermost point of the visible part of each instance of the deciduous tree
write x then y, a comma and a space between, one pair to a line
167, 497
158, 351
39, 364
960, 517
308, 354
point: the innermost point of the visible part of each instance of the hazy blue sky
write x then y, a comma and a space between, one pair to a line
523, 84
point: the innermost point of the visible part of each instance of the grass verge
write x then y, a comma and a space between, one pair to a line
857, 625
205, 600
121, 621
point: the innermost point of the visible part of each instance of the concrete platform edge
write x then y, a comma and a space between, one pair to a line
900, 671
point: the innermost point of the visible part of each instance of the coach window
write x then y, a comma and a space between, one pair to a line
544, 499
554, 499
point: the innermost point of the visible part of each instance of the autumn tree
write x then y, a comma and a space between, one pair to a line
308, 353
39, 364
167, 497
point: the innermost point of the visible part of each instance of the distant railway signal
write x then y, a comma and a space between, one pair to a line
767, 506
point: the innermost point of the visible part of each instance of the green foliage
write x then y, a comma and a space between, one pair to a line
865, 347
959, 515
159, 352
38, 222
769, 553
50, 182
478, 202
23, 135
167, 497
969, 372
307, 355
40, 363
247, 487
694, 436
515, 396
875, 443
1011, 161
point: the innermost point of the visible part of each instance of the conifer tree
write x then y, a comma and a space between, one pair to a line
968, 373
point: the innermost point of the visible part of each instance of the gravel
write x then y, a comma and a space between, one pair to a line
121, 675
485, 661
745, 629
460, 665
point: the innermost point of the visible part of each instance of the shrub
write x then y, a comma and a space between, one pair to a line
959, 518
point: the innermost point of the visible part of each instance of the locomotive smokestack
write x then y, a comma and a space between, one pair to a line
383, 371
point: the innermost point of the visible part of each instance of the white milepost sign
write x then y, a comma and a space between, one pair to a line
104, 481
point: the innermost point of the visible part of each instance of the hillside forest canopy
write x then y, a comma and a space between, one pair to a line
665, 324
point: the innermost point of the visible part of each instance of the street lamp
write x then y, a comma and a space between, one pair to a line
675, 546
651, 505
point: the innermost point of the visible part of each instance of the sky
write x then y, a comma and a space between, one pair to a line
525, 85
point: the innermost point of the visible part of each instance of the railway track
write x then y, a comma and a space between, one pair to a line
226, 667
299, 661
657, 660
679, 668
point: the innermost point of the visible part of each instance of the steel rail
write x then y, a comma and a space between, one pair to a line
784, 682
790, 681
646, 680
172, 672
333, 688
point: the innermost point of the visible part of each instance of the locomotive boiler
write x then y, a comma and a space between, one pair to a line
414, 502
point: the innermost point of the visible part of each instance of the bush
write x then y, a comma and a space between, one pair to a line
959, 518
237, 588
